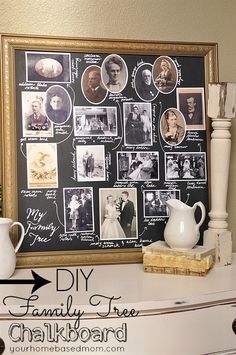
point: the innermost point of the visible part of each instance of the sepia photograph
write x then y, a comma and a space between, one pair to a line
91, 85
172, 126
185, 166
42, 170
90, 163
137, 123
165, 74
114, 73
48, 67
138, 166
190, 101
95, 121
118, 213
155, 202
35, 123
144, 85
78, 209
58, 104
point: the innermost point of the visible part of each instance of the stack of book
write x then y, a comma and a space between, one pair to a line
159, 258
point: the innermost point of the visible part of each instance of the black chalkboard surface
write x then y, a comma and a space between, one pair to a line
102, 139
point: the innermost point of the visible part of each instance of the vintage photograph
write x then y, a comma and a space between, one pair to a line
48, 67
114, 73
58, 104
154, 202
42, 170
91, 85
137, 123
78, 209
185, 166
35, 123
190, 101
95, 121
144, 85
138, 166
172, 126
90, 163
165, 74
118, 213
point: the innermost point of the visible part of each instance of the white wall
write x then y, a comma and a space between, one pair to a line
172, 20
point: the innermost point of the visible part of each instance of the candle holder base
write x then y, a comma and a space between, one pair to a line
222, 242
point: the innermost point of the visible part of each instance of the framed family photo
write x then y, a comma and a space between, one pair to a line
96, 136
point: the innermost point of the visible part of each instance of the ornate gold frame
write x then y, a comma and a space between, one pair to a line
10, 43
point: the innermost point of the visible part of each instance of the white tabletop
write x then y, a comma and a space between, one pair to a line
133, 288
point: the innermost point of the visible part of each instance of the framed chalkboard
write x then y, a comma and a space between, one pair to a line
96, 136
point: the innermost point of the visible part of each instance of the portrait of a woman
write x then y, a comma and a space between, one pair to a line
172, 127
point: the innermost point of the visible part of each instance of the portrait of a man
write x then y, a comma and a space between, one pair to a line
144, 85
191, 103
92, 86
35, 123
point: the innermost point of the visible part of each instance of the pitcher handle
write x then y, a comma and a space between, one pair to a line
21, 236
201, 205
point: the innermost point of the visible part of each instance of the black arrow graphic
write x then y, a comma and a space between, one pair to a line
37, 282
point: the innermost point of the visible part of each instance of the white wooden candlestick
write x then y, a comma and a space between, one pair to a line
221, 109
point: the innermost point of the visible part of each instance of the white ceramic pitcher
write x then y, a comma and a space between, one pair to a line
7, 251
182, 231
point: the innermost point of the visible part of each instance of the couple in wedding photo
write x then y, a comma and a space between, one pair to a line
118, 217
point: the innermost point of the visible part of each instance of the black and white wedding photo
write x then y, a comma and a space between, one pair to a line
137, 123
139, 166
185, 166
118, 213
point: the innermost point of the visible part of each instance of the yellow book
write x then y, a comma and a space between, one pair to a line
181, 262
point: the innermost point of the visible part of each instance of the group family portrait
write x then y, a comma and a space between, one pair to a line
95, 121
155, 202
118, 213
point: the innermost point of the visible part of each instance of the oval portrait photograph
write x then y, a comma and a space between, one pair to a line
172, 126
58, 104
48, 68
114, 73
144, 85
164, 74
91, 85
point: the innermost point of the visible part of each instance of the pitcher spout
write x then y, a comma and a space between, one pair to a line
177, 205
